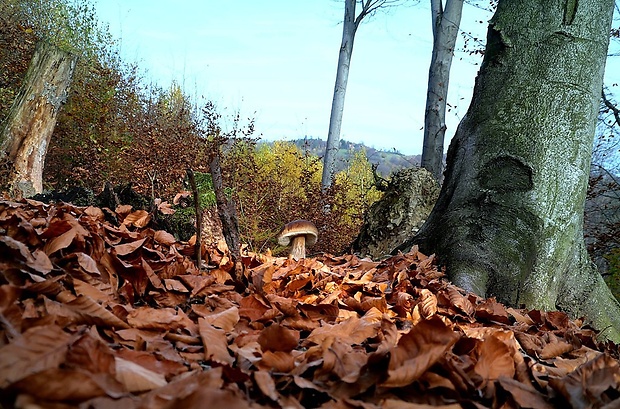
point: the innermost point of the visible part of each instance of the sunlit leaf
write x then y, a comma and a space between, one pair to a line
214, 343
136, 378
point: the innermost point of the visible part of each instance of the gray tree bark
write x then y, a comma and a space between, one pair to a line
342, 76
446, 24
350, 24
509, 218
31, 120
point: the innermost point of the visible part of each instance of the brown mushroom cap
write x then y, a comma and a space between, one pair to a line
298, 228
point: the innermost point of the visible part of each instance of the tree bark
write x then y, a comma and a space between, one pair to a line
509, 218
30, 122
226, 208
340, 89
446, 24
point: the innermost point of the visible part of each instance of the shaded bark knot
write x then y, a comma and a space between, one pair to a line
506, 174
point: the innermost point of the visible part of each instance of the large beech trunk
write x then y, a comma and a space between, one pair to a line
509, 218
30, 123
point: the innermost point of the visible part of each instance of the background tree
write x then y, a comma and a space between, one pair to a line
509, 219
350, 25
446, 22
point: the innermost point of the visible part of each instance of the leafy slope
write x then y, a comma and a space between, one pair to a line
99, 315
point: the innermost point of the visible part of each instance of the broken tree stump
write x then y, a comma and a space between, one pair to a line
29, 125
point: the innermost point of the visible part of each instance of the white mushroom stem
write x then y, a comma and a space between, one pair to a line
298, 247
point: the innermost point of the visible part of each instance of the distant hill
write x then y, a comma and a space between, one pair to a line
388, 161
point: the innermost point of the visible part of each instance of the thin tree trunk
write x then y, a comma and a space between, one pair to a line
446, 24
509, 218
225, 209
340, 89
31, 120
198, 212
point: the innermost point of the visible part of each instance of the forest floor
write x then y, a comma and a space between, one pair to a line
98, 310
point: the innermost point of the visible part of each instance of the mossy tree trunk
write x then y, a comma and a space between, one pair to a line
30, 122
509, 218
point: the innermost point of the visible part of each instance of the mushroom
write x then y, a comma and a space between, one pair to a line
300, 233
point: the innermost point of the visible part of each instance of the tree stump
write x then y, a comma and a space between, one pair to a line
399, 214
30, 122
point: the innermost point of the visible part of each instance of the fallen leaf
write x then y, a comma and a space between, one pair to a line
494, 360
417, 350
37, 349
127, 248
214, 342
139, 218
136, 378
278, 338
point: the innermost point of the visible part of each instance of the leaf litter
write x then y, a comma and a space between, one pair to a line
99, 315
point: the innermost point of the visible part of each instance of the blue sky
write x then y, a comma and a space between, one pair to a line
275, 61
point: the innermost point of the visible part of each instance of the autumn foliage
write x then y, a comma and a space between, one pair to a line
95, 314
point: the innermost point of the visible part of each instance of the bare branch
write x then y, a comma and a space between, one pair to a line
614, 109
370, 7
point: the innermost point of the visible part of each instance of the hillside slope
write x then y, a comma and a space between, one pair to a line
388, 161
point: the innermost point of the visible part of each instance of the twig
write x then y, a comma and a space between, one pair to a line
611, 106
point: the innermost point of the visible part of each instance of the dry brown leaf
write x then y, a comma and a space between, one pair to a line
59, 384
139, 218
95, 212
557, 348
494, 360
265, 383
85, 289
277, 361
524, 395
417, 350
591, 385
94, 313
165, 362
210, 398
136, 378
91, 354
163, 237
60, 242
40, 262
428, 303
399, 404
36, 350
344, 361
225, 320
153, 278
327, 312
491, 310
521, 318
157, 319
214, 342
87, 263
278, 338
351, 331
174, 285
127, 248
460, 301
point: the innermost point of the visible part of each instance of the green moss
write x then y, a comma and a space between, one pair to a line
613, 278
